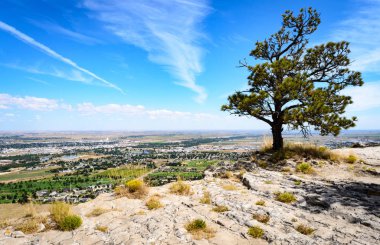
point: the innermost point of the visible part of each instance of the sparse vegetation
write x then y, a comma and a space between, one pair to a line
97, 212
268, 182
180, 188
198, 228
59, 210
206, 199
220, 209
285, 197
305, 168
227, 175
229, 187
132, 189
70, 222
263, 218
260, 203
297, 182
101, 228
256, 232
303, 229
351, 159
153, 202
29, 226
262, 163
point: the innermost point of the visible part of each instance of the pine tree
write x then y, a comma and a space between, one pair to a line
297, 86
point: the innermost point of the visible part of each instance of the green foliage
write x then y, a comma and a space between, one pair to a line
297, 86
59, 210
260, 203
197, 224
351, 159
297, 182
305, 168
70, 222
285, 197
255, 232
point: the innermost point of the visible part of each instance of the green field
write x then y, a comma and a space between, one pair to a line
26, 174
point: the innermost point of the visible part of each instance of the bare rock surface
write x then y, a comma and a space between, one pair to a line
341, 211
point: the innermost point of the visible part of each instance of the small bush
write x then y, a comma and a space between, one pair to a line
229, 187
132, 189
268, 182
29, 226
59, 210
153, 203
297, 182
263, 218
260, 203
285, 197
262, 164
256, 232
101, 228
198, 228
351, 159
180, 188
70, 222
220, 209
97, 212
305, 168
206, 199
303, 229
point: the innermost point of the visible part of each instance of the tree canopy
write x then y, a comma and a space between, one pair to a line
297, 85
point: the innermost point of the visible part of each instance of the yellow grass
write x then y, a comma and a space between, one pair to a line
180, 188
97, 212
153, 203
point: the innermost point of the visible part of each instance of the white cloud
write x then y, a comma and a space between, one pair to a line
365, 97
53, 27
362, 30
28, 102
168, 30
29, 40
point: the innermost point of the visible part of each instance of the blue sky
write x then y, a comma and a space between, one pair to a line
158, 64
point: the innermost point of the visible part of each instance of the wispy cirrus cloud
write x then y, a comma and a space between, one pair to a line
362, 30
168, 30
29, 40
76, 36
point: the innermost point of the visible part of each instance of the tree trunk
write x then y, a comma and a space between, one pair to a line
278, 141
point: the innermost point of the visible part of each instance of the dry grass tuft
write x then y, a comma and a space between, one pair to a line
180, 188
229, 187
101, 228
351, 159
306, 230
227, 175
285, 197
256, 232
305, 168
198, 228
97, 212
260, 203
220, 209
59, 210
206, 199
153, 202
31, 210
29, 226
132, 189
263, 218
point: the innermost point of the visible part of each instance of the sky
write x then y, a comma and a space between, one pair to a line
158, 64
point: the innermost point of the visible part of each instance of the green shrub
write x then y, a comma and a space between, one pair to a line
199, 229
70, 222
297, 182
134, 185
260, 203
351, 159
305, 168
255, 232
285, 197
197, 224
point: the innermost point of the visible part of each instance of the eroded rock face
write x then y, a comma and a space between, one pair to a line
340, 212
